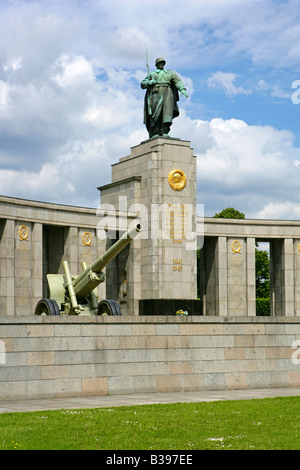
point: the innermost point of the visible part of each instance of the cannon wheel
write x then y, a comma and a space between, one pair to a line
46, 307
109, 307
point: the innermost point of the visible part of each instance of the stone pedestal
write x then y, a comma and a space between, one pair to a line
158, 182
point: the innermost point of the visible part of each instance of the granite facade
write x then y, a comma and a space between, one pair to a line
49, 357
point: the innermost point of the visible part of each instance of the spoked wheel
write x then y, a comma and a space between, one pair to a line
46, 307
109, 307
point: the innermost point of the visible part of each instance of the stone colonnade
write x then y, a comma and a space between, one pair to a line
227, 266
35, 238
156, 274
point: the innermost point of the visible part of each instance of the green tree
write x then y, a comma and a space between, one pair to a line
230, 213
262, 273
262, 268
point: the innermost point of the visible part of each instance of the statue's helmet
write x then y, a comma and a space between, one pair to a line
160, 59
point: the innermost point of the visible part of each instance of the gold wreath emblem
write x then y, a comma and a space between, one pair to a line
23, 232
86, 239
236, 246
177, 179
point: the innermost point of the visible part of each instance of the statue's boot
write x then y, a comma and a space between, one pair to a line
166, 128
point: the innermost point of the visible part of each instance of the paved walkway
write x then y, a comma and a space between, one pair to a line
143, 399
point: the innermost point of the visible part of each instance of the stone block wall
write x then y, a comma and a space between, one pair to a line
47, 357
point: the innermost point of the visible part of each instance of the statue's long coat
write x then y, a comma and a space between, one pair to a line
161, 101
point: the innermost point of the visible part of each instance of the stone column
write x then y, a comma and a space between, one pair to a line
72, 240
23, 268
213, 276
227, 276
251, 279
37, 264
241, 276
222, 277
288, 277
282, 277
7, 267
297, 275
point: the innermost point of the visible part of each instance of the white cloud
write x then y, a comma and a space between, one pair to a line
73, 71
226, 81
274, 90
13, 64
3, 94
248, 167
70, 73
73, 176
288, 210
129, 42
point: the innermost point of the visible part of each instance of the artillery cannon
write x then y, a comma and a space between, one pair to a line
76, 295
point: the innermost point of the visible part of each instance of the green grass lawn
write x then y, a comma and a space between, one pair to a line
271, 423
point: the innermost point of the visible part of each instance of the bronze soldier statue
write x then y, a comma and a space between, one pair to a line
161, 98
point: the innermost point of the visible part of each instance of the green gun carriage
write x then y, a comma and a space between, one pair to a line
77, 295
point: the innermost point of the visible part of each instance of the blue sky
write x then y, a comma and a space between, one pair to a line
258, 97
71, 102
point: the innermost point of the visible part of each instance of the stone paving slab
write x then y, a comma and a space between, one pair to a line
143, 399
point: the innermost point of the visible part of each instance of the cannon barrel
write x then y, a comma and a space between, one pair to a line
86, 282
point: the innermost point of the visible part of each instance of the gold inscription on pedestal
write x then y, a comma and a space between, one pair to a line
177, 264
177, 179
177, 220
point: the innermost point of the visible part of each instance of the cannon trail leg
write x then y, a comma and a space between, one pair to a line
70, 287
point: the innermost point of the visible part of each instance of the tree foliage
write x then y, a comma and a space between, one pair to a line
262, 268
262, 273
230, 213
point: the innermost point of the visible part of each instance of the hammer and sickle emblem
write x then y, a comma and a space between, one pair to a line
177, 179
23, 232
86, 239
236, 246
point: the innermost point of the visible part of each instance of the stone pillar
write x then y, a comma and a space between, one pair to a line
23, 268
213, 276
282, 291
276, 288
7, 267
251, 278
84, 245
37, 264
241, 277
221, 277
297, 275
158, 180
227, 276
288, 277
72, 238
